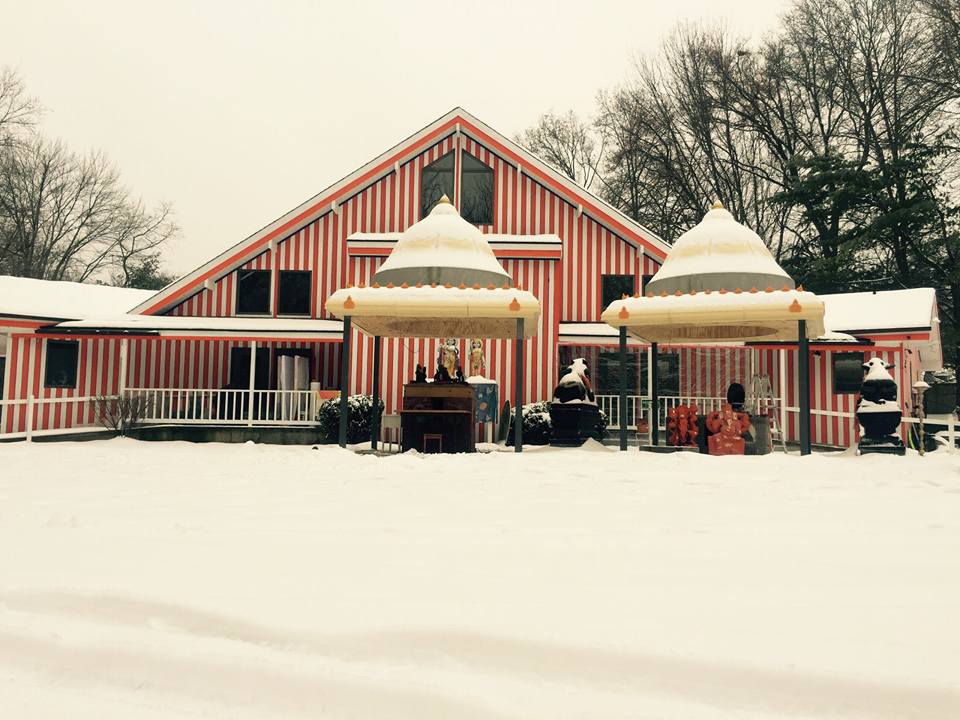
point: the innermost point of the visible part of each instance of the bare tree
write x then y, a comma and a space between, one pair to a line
18, 111
566, 142
66, 216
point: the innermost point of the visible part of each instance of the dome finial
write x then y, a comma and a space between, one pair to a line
444, 200
717, 205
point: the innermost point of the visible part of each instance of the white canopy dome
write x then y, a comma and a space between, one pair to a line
719, 253
442, 248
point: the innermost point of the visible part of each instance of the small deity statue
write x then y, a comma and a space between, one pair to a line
460, 377
449, 357
478, 363
420, 374
441, 375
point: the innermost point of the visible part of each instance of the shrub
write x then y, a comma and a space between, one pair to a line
536, 424
360, 418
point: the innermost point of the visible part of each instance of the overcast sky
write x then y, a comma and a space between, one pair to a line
238, 111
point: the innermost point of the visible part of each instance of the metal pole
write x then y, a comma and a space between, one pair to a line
518, 391
803, 365
623, 387
344, 381
654, 394
375, 420
252, 386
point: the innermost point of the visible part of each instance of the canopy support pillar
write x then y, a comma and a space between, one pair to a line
803, 365
654, 394
344, 381
623, 387
375, 420
518, 391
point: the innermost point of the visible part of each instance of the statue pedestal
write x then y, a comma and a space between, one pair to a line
879, 425
573, 423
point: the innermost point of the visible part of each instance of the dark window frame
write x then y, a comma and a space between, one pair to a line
644, 281
69, 377
845, 386
426, 207
288, 274
243, 275
481, 169
604, 301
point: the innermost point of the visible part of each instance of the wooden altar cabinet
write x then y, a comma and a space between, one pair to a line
438, 417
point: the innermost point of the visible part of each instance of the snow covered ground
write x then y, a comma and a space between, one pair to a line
148, 581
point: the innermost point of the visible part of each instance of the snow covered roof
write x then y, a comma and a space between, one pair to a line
880, 311
442, 248
709, 316
437, 310
59, 300
188, 326
719, 253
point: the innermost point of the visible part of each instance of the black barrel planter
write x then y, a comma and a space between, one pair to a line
574, 424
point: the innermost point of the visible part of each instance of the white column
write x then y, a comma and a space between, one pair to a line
122, 380
252, 385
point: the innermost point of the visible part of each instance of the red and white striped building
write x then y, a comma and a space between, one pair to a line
191, 344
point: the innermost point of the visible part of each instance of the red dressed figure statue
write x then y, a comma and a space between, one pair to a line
728, 427
682, 426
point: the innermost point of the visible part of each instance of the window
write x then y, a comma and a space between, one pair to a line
847, 372
608, 373
435, 182
476, 191
61, 367
294, 293
668, 374
253, 292
644, 281
614, 287
240, 368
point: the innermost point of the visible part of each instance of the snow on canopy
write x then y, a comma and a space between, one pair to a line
886, 310
719, 253
61, 300
442, 248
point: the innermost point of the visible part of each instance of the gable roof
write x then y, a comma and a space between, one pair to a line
59, 300
457, 120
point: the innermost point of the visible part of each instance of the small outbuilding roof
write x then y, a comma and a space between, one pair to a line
881, 311
60, 300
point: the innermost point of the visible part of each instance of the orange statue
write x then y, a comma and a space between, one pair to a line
682, 425
728, 427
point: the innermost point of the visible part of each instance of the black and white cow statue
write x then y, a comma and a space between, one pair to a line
878, 410
574, 414
574, 385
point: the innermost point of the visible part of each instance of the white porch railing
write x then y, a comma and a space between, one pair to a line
226, 407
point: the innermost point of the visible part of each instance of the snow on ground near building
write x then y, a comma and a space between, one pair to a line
147, 581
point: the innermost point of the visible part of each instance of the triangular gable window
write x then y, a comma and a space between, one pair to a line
476, 191
435, 182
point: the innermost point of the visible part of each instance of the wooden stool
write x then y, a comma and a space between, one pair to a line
429, 437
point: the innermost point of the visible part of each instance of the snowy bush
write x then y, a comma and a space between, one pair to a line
536, 424
360, 418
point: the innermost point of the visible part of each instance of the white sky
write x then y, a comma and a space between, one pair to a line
238, 111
